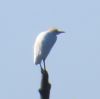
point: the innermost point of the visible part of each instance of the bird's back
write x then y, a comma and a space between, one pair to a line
43, 45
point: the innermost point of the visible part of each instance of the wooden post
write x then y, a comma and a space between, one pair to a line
45, 85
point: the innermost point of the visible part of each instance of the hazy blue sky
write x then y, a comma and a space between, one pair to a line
74, 62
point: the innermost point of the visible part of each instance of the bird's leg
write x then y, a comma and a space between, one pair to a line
44, 64
41, 68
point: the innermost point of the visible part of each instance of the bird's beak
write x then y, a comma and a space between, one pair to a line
60, 31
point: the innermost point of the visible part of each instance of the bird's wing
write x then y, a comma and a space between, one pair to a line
37, 50
47, 44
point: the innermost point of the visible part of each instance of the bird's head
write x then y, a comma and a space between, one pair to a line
55, 31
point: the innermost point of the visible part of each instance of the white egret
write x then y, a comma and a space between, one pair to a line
43, 44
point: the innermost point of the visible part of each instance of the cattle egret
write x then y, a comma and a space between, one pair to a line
43, 44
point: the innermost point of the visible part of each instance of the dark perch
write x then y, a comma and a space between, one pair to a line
45, 85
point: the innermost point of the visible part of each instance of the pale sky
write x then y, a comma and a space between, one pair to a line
74, 62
